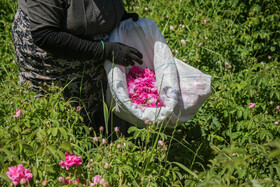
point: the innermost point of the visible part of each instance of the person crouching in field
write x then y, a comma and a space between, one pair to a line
65, 42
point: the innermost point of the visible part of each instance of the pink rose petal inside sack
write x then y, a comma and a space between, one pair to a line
142, 89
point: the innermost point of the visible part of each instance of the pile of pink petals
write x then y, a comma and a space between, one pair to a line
70, 160
19, 175
142, 87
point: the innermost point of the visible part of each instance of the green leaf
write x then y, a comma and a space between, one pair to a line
42, 132
50, 169
54, 131
61, 107
53, 151
61, 154
216, 122
5, 177
132, 129
66, 146
241, 173
34, 172
239, 113
186, 169
26, 131
63, 132
7, 152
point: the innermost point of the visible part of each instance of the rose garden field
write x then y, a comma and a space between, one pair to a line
234, 139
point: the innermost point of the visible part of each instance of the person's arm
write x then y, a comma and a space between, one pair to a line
46, 30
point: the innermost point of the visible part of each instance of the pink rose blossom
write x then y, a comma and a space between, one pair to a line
70, 160
116, 129
67, 181
205, 21
171, 27
44, 183
104, 141
276, 123
18, 112
19, 175
76, 181
184, 60
252, 105
95, 139
97, 180
106, 165
103, 182
160, 142
78, 108
146, 121
183, 42
278, 107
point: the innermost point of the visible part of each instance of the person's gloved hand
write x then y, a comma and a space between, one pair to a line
126, 15
122, 54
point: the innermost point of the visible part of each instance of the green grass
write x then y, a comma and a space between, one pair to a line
227, 143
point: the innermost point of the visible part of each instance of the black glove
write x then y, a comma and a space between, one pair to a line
126, 15
122, 54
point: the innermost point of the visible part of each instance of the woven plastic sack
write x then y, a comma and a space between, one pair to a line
171, 76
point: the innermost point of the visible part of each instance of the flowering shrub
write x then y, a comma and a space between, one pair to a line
142, 89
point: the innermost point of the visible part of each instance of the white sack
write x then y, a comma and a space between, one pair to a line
171, 75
